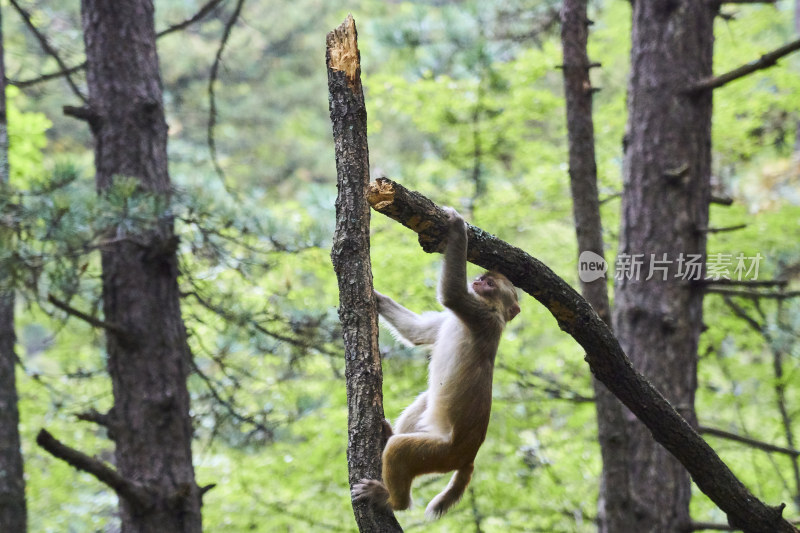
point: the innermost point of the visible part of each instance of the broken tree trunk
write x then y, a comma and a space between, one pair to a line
606, 359
350, 255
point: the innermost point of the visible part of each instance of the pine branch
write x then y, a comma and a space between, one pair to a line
753, 443
229, 406
765, 61
603, 353
135, 494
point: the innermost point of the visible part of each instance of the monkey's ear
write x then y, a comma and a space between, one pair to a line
512, 312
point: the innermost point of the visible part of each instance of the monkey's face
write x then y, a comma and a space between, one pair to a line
496, 287
485, 285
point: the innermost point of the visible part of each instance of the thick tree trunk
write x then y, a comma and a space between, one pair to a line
150, 362
350, 255
613, 504
13, 516
664, 211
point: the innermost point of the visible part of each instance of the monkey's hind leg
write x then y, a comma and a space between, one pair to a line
409, 455
451, 494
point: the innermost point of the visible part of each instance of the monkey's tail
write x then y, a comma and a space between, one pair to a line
451, 494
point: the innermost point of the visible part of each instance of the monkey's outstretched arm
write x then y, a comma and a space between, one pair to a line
453, 291
407, 325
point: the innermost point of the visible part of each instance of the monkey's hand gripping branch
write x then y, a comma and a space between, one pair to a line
603, 353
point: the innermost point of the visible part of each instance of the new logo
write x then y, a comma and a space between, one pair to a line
591, 266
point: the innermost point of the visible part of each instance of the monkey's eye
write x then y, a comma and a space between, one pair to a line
490, 282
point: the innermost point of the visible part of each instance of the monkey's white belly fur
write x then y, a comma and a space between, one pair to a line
460, 374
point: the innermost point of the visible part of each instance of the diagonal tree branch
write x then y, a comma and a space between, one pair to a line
135, 494
45, 44
93, 321
765, 61
47, 77
200, 15
603, 353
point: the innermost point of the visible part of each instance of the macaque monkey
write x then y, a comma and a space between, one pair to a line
443, 428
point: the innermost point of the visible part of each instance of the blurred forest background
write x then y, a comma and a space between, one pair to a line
465, 104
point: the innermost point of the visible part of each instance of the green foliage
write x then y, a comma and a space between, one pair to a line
26, 139
465, 104
756, 115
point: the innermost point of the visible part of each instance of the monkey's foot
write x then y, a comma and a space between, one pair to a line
371, 490
438, 506
444, 500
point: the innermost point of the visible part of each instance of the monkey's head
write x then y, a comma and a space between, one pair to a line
499, 292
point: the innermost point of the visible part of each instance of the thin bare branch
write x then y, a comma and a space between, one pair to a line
753, 294
711, 526
45, 44
743, 282
93, 415
721, 200
246, 321
753, 443
200, 15
212, 101
765, 61
68, 71
723, 229
229, 406
93, 321
780, 385
47, 77
745, 1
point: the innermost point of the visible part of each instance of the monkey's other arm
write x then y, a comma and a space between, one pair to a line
408, 326
453, 292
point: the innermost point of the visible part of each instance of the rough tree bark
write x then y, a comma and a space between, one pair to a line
13, 515
613, 504
797, 30
350, 254
665, 199
148, 356
604, 355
